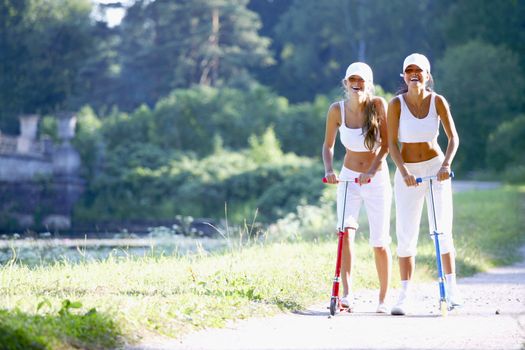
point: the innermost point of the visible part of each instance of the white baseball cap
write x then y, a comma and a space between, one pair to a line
361, 69
417, 59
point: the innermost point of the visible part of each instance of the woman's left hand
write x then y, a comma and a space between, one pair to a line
443, 173
364, 178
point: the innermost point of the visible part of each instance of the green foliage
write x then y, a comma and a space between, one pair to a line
266, 148
284, 196
44, 45
99, 83
120, 129
313, 62
142, 181
308, 222
514, 174
220, 144
48, 127
147, 163
301, 128
474, 219
379, 91
183, 43
505, 143
19, 339
494, 22
88, 141
172, 294
193, 119
182, 72
482, 94
89, 330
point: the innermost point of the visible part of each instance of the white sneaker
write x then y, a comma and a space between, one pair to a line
382, 308
400, 308
454, 298
346, 301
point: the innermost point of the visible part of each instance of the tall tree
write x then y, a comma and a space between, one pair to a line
380, 33
270, 12
98, 78
42, 46
494, 22
177, 43
398, 28
312, 60
11, 30
484, 85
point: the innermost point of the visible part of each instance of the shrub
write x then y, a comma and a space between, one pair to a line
506, 144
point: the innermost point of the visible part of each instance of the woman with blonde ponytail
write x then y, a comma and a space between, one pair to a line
360, 120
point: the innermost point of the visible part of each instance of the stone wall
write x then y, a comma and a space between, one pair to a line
16, 167
39, 179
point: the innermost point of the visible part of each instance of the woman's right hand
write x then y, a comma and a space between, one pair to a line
410, 180
330, 177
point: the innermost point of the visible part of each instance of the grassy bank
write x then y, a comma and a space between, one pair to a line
96, 305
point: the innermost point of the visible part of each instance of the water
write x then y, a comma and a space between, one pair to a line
40, 251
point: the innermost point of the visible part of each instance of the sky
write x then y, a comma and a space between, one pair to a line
113, 15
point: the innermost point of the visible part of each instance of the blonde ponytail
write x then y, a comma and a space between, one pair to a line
371, 124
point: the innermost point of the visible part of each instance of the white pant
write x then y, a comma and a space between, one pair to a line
377, 196
409, 205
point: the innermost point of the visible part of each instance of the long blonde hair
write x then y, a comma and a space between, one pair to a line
371, 124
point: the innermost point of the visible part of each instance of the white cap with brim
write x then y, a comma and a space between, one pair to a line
417, 59
361, 69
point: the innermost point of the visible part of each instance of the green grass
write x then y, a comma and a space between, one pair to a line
490, 227
96, 305
90, 330
487, 231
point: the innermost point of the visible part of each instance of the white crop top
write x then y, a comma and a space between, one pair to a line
352, 139
412, 129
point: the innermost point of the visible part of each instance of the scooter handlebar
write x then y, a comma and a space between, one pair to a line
432, 177
356, 180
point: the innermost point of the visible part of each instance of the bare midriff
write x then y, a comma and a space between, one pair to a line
359, 161
419, 151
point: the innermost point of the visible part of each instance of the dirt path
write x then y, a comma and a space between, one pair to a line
492, 318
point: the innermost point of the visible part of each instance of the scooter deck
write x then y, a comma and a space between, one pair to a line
349, 309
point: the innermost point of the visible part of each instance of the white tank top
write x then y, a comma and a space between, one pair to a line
412, 129
352, 139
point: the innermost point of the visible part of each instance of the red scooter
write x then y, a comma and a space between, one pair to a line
335, 300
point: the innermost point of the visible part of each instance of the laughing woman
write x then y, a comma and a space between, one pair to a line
361, 121
414, 116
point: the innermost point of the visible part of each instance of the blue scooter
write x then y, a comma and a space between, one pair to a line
443, 306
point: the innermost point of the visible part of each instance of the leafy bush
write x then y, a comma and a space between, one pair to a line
301, 130
477, 109
89, 330
144, 182
506, 144
88, 141
191, 119
198, 151
515, 174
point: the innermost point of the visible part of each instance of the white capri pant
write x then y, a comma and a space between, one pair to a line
377, 196
409, 205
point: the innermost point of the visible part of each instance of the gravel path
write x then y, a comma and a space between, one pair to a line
493, 318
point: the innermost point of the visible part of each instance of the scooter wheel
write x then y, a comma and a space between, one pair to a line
444, 308
333, 306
